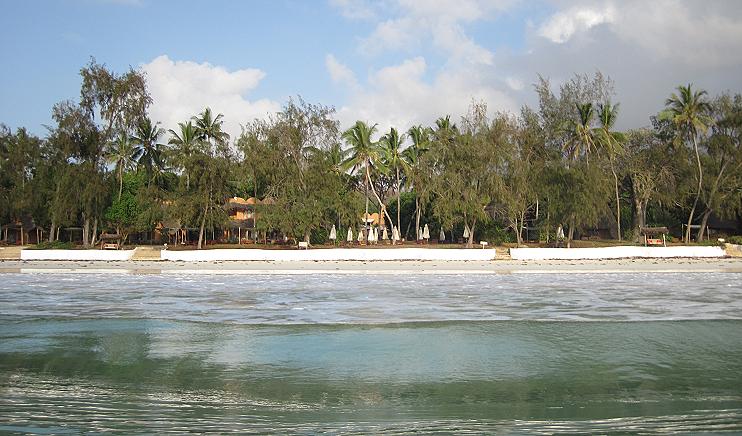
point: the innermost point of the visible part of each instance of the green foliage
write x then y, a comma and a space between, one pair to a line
54, 245
737, 239
560, 164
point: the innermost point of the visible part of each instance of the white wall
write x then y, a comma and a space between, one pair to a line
613, 252
337, 254
76, 254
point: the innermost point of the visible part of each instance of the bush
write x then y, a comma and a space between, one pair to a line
56, 245
318, 236
735, 239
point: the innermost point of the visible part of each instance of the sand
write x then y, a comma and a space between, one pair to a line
376, 267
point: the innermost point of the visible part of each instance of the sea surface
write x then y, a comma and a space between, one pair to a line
627, 353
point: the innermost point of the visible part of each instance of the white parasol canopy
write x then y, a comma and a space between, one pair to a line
360, 236
333, 233
466, 231
426, 232
442, 235
384, 235
395, 234
350, 235
419, 233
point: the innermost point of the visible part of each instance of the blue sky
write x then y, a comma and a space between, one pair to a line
394, 62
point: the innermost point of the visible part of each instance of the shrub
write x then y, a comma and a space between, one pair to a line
737, 239
55, 245
318, 236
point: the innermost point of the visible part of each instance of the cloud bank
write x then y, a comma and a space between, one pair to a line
182, 89
648, 48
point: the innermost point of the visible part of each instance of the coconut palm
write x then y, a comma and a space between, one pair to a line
689, 112
612, 143
391, 145
364, 154
580, 138
121, 155
147, 151
209, 127
420, 137
185, 144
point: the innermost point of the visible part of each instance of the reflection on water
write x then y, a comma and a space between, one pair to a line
85, 360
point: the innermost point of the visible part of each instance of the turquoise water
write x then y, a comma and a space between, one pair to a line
516, 354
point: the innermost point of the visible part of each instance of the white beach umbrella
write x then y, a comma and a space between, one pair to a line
419, 233
350, 235
333, 233
374, 235
442, 235
395, 234
426, 232
384, 235
466, 231
360, 236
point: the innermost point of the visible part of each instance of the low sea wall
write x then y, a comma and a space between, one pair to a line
621, 252
334, 254
76, 254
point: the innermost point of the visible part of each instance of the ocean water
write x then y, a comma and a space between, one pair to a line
508, 354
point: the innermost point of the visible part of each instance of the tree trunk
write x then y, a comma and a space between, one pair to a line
255, 207
710, 200
86, 231
51, 231
698, 191
704, 222
399, 202
382, 209
409, 223
94, 235
470, 241
517, 228
418, 212
365, 216
571, 232
121, 181
618, 202
201, 229
639, 220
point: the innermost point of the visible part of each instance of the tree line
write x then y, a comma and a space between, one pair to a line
106, 166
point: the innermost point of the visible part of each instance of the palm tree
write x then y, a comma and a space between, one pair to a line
611, 142
688, 111
121, 154
147, 151
580, 139
391, 144
186, 143
420, 137
209, 128
364, 153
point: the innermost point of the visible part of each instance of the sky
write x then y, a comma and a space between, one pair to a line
387, 62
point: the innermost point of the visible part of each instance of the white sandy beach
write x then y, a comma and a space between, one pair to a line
376, 267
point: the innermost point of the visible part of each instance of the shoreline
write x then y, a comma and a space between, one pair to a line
435, 267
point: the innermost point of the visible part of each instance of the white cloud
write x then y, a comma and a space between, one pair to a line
687, 31
398, 96
440, 22
182, 89
561, 26
648, 48
340, 73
